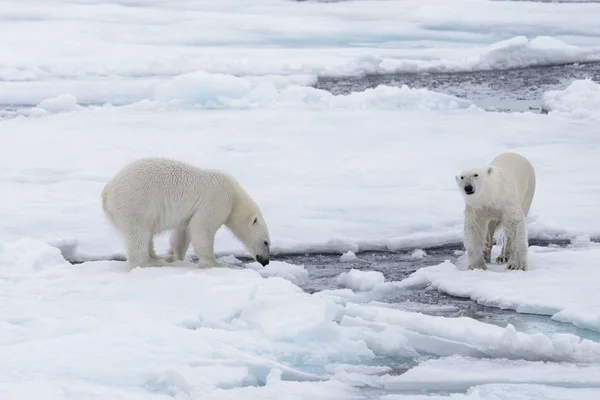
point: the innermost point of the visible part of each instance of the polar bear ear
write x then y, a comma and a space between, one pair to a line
489, 170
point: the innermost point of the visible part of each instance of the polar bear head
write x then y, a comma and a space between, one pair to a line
472, 183
251, 229
258, 242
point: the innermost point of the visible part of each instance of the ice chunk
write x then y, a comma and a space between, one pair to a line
581, 99
418, 253
348, 256
360, 280
292, 272
560, 282
62, 103
202, 88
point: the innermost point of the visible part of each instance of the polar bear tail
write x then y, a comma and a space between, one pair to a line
105, 202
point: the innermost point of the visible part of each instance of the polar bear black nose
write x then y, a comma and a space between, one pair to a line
264, 261
468, 189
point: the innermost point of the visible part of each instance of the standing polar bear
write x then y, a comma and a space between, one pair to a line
153, 195
497, 195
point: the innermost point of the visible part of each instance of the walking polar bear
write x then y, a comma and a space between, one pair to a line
497, 195
153, 195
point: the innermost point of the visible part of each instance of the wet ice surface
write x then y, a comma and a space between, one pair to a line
324, 269
511, 90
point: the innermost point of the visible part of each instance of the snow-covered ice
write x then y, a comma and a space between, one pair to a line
122, 51
562, 283
392, 188
496, 379
580, 100
94, 329
226, 85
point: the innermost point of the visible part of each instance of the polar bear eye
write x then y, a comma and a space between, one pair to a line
267, 244
476, 175
462, 177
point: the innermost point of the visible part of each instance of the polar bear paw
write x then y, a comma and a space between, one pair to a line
478, 266
515, 265
171, 257
149, 263
501, 259
208, 263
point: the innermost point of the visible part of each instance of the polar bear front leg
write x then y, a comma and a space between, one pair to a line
516, 233
203, 243
505, 254
475, 240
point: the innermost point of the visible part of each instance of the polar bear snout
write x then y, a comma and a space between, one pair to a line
469, 189
263, 260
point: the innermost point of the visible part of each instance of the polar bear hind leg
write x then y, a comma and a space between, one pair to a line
140, 249
180, 242
492, 227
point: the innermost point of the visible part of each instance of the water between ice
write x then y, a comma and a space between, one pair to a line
324, 268
513, 90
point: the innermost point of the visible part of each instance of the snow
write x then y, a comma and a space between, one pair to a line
95, 84
392, 189
562, 283
581, 99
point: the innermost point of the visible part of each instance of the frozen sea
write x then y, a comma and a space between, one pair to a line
346, 121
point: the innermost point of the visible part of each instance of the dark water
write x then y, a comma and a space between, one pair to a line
513, 90
324, 268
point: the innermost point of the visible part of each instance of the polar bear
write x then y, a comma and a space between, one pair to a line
152, 195
497, 195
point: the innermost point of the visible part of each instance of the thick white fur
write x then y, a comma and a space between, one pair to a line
503, 192
153, 195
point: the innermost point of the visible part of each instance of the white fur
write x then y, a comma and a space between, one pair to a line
503, 192
153, 195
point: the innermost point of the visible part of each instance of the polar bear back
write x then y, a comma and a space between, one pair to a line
522, 173
165, 193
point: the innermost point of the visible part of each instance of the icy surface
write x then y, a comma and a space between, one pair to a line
360, 188
458, 373
580, 100
91, 85
95, 329
469, 379
561, 283
123, 51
